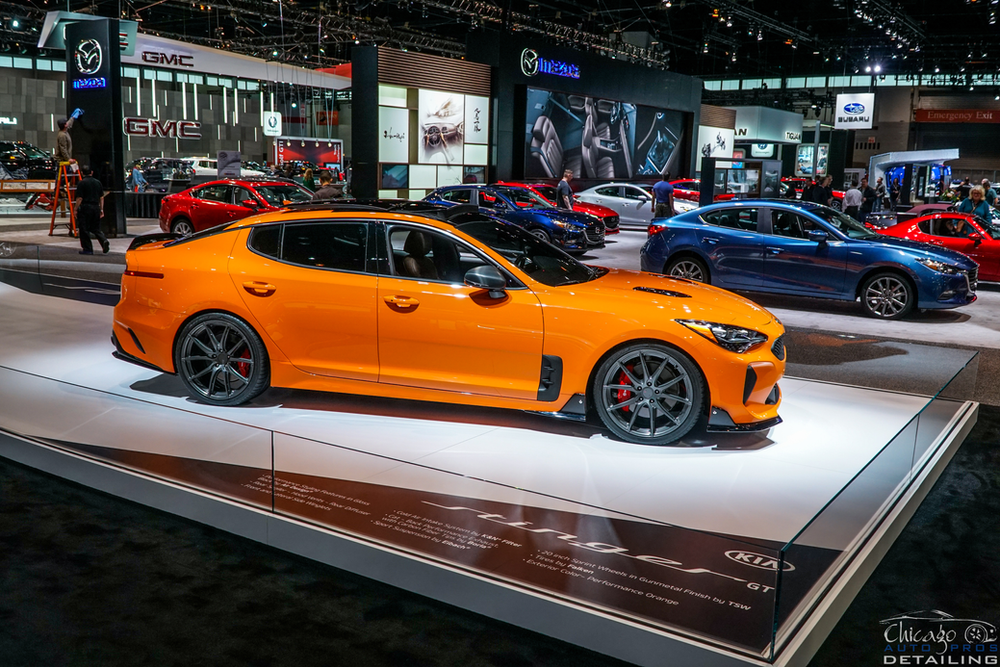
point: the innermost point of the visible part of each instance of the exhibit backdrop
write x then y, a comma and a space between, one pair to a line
327, 153
714, 142
804, 160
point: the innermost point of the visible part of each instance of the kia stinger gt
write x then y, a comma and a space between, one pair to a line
548, 192
571, 230
221, 202
472, 311
804, 249
961, 232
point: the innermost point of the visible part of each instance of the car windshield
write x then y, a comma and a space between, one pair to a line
281, 194
541, 261
34, 153
547, 191
847, 225
524, 198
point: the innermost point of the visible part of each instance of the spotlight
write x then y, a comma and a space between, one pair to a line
760, 35
295, 105
878, 68
868, 68
15, 24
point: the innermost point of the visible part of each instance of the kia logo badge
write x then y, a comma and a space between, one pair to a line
758, 560
854, 109
529, 62
87, 56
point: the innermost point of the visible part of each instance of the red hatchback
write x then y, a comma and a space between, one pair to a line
956, 231
222, 202
548, 192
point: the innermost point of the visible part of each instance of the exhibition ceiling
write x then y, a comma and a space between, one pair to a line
724, 38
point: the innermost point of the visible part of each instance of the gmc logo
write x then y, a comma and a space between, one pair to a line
170, 129
176, 59
758, 560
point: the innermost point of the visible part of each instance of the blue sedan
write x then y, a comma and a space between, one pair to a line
805, 249
571, 230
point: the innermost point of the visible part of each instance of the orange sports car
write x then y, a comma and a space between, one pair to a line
467, 310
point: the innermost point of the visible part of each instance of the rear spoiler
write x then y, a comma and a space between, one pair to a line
146, 239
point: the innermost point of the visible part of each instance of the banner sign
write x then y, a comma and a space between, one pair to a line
855, 111
271, 120
957, 116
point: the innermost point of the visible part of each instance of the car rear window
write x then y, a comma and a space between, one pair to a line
326, 245
266, 240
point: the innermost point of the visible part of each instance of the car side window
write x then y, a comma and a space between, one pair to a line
430, 255
242, 194
266, 240
219, 193
634, 193
608, 192
744, 219
789, 225
460, 196
328, 245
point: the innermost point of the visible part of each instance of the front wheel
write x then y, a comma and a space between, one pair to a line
688, 268
887, 296
648, 393
221, 360
541, 235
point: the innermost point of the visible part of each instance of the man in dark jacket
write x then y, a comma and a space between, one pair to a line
868, 197
327, 190
89, 201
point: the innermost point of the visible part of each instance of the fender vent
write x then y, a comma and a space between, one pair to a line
662, 292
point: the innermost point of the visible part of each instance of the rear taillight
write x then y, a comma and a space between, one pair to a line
655, 228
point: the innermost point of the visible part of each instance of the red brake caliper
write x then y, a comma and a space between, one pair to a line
624, 394
242, 367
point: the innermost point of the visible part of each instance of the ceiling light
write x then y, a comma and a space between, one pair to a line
878, 68
868, 68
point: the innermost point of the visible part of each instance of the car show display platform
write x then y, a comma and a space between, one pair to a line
725, 549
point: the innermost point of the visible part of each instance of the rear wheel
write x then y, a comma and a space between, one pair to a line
182, 226
648, 393
690, 268
837, 204
221, 360
887, 296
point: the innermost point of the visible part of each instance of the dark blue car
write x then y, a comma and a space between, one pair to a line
572, 231
805, 249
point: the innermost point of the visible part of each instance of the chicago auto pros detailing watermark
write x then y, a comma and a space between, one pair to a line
933, 637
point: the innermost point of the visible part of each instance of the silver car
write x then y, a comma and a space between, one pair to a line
634, 203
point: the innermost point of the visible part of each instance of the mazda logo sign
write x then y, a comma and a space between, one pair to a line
854, 109
758, 560
529, 62
88, 56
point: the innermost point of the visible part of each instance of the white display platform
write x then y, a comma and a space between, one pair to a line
477, 507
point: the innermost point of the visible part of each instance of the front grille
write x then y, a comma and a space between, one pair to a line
595, 233
611, 222
778, 348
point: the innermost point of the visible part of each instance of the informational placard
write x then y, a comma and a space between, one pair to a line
228, 164
393, 134
761, 150
477, 112
271, 120
855, 111
441, 127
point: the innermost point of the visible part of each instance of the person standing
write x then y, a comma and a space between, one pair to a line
867, 199
89, 211
327, 190
564, 193
64, 155
852, 200
991, 194
308, 181
137, 182
823, 192
663, 197
975, 204
964, 189
879, 194
894, 193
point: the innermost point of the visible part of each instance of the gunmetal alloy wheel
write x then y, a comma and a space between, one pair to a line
648, 393
887, 296
689, 268
542, 235
182, 226
221, 360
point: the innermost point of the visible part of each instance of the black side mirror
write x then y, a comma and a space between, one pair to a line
488, 278
818, 236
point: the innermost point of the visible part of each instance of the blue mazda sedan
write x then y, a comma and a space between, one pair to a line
806, 249
571, 230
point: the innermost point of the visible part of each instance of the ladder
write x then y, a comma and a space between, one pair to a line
66, 180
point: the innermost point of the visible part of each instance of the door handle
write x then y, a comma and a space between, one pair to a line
710, 239
258, 288
401, 301
773, 250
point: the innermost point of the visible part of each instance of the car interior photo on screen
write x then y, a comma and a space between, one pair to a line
557, 334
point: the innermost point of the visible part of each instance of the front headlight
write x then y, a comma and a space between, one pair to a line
940, 267
571, 226
733, 338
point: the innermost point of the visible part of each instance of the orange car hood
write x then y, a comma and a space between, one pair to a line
708, 303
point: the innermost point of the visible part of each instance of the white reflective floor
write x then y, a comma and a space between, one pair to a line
764, 486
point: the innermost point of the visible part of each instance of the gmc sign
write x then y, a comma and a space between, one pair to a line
169, 129
175, 59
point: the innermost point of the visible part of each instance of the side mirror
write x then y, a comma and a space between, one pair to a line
249, 203
644, 199
976, 237
488, 278
818, 236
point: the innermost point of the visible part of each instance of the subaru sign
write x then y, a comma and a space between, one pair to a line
855, 111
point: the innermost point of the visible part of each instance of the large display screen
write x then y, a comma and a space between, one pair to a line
599, 138
804, 160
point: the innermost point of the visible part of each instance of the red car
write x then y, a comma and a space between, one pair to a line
690, 189
548, 193
222, 202
801, 184
955, 231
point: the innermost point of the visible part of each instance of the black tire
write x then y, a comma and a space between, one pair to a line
182, 226
636, 405
541, 234
887, 296
690, 268
837, 204
221, 360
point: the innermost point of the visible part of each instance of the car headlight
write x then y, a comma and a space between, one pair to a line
733, 338
572, 226
940, 267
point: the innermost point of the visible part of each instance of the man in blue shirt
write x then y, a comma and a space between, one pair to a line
663, 197
564, 193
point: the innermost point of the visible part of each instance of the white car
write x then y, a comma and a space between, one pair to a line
207, 166
632, 202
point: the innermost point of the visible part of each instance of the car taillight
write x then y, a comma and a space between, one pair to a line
655, 228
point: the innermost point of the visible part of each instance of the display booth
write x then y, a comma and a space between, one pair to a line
920, 173
727, 549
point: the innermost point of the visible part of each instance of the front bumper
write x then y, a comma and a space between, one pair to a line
948, 290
